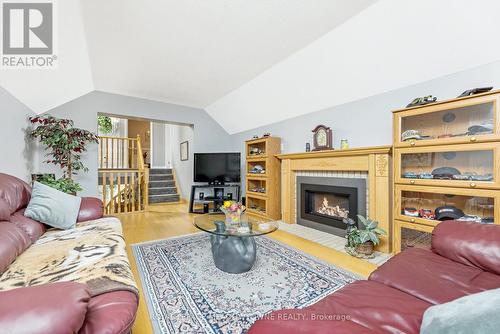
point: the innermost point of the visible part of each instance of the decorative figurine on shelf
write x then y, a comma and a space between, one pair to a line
267, 134
322, 138
308, 147
475, 91
255, 137
420, 101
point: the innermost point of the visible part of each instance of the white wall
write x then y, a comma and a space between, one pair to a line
208, 135
158, 142
368, 122
365, 122
183, 169
390, 45
16, 147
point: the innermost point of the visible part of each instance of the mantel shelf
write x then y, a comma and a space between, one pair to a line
337, 153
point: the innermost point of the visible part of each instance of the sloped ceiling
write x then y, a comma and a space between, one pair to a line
42, 89
193, 52
390, 45
251, 63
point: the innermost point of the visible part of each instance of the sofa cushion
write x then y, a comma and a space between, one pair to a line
13, 241
57, 308
112, 312
469, 243
4, 210
297, 321
53, 207
472, 314
375, 306
31, 227
14, 191
91, 208
433, 278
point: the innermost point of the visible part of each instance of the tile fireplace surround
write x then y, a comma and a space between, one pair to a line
371, 163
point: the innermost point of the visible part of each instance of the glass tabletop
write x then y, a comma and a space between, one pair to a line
249, 226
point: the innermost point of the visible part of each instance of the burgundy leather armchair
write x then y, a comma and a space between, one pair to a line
63, 307
464, 259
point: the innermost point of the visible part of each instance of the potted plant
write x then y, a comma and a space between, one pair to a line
105, 124
64, 144
361, 242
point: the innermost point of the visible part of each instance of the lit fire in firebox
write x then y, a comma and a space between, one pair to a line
335, 211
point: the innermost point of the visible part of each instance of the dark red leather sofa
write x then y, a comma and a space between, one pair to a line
61, 307
464, 259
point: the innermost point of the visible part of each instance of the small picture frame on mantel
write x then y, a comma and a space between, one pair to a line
184, 151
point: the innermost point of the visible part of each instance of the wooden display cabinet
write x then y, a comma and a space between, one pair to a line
480, 202
452, 158
478, 165
263, 189
454, 121
411, 235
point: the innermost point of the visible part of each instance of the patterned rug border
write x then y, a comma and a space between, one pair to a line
137, 244
147, 285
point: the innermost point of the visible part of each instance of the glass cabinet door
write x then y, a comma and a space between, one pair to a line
468, 121
429, 205
469, 166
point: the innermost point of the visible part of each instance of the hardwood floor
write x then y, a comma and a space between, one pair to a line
163, 221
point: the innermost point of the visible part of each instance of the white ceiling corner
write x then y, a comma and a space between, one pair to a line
44, 89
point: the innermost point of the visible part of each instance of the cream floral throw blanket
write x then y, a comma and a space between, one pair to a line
92, 253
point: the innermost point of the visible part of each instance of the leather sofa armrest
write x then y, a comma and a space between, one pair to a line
57, 308
472, 244
91, 208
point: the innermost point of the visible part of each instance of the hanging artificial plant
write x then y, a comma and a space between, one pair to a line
105, 124
64, 144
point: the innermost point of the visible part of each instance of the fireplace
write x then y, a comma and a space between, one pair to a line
323, 202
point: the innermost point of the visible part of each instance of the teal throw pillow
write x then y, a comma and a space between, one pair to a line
53, 207
473, 314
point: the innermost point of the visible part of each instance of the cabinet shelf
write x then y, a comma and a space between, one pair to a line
256, 195
262, 157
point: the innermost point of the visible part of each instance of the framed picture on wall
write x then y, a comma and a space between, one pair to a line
184, 151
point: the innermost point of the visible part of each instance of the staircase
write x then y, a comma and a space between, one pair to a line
162, 187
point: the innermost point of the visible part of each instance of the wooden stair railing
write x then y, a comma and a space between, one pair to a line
123, 176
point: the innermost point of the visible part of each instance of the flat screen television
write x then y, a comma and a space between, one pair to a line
217, 167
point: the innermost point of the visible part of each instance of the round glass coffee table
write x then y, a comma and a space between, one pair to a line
233, 246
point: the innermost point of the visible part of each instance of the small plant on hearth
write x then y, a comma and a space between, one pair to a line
64, 144
361, 242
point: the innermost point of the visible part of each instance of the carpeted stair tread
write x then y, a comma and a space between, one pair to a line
163, 191
156, 171
161, 177
161, 184
164, 198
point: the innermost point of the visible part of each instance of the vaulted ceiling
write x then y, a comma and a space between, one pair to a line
193, 52
250, 63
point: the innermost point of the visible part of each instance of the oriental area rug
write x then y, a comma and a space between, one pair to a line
186, 293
